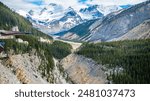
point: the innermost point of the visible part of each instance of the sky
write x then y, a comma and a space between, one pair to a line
27, 5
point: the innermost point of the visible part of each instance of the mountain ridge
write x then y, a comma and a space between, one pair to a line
116, 24
55, 12
122, 22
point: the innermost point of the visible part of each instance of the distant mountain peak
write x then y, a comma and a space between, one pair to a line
70, 8
70, 12
91, 12
31, 12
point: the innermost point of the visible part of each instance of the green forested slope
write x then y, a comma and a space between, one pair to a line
133, 56
8, 19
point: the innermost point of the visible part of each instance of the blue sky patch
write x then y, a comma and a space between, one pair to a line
37, 2
83, 1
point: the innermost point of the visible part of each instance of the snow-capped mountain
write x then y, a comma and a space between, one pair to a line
69, 19
48, 13
51, 11
90, 12
54, 18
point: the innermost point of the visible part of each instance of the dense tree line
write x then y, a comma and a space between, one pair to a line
60, 49
133, 56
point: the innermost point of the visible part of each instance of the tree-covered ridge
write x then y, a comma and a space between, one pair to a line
60, 49
133, 56
9, 18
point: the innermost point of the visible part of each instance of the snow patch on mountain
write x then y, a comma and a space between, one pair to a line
22, 13
108, 9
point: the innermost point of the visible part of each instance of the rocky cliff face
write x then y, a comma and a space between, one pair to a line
82, 70
120, 24
141, 31
21, 69
24, 69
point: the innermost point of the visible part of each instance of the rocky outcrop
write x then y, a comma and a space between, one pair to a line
24, 69
21, 75
59, 76
21, 69
82, 70
7, 76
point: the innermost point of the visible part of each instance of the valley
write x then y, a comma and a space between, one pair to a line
91, 44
